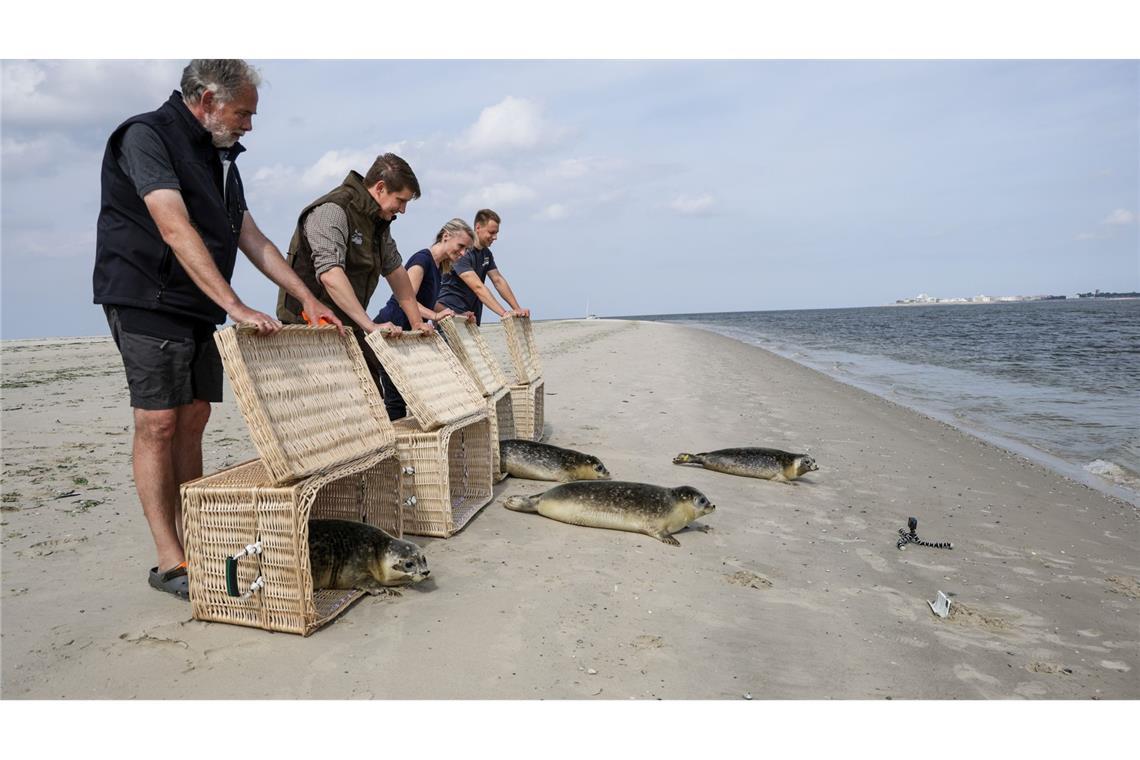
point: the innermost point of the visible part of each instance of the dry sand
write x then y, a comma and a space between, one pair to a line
793, 591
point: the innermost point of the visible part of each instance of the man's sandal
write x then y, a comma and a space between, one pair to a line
173, 581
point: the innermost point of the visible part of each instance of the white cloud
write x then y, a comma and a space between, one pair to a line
1120, 216
44, 155
553, 212
498, 194
334, 165
76, 92
509, 125
692, 205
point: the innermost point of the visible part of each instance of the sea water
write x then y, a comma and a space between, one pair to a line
1057, 381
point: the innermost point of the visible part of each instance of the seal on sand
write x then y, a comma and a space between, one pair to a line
541, 461
768, 464
346, 554
617, 505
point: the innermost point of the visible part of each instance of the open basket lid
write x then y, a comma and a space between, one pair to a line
474, 354
435, 386
524, 354
307, 397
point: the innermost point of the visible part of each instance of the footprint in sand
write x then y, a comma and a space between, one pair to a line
1047, 667
966, 615
876, 562
748, 580
1124, 584
645, 641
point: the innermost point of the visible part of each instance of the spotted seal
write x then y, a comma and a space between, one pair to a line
618, 505
768, 464
541, 461
346, 554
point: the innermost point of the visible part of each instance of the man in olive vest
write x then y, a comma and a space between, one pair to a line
343, 245
172, 218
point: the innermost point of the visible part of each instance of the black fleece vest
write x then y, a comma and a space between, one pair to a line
362, 255
133, 266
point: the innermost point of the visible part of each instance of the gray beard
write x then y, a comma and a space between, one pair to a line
221, 136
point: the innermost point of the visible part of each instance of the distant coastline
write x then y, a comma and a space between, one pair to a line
922, 299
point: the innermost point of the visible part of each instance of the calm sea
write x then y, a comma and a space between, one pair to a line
1057, 381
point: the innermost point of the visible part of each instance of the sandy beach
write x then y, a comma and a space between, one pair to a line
785, 591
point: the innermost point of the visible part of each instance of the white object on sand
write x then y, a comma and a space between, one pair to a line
941, 605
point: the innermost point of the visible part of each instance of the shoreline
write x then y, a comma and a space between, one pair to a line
1066, 469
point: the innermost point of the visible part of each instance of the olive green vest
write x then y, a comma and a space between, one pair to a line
362, 264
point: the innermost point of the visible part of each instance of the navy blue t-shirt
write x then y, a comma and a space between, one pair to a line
453, 291
426, 295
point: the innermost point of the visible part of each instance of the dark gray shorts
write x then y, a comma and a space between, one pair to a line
164, 373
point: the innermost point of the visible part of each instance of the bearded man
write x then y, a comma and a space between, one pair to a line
172, 217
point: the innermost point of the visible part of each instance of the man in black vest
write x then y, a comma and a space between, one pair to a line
172, 218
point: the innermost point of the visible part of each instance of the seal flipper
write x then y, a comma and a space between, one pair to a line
522, 503
373, 588
665, 538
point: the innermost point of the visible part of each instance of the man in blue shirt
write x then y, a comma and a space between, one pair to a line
463, 289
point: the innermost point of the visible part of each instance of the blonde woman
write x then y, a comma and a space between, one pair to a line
425, 270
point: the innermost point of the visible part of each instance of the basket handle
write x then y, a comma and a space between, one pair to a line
231, 572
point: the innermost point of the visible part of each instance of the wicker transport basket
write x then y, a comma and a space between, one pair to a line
327, 451
445, 445
475, 356
529, 387
524, 354
527, 406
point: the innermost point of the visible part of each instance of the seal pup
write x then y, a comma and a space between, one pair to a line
346, 554
768, 464
617, 505
541, 461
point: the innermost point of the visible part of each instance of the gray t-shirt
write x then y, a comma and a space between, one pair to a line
143, 157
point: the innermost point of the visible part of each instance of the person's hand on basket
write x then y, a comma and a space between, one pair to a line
442, 313
265, 324
316, 313
520, 313
388, 327
469, 316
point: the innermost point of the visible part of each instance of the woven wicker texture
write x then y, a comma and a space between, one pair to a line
452, 475
524, 354
474, 354
505, 414
435, 386
226, 511
527, 402
503, 399
307, 397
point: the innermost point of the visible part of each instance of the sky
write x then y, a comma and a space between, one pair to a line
634, 187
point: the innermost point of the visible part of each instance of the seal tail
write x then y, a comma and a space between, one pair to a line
521, 503
687, 459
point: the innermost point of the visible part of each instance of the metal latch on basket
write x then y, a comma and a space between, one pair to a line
409, 470
410, 501
231, 572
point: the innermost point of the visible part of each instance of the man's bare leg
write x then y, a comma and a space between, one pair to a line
187, 450
155, 481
